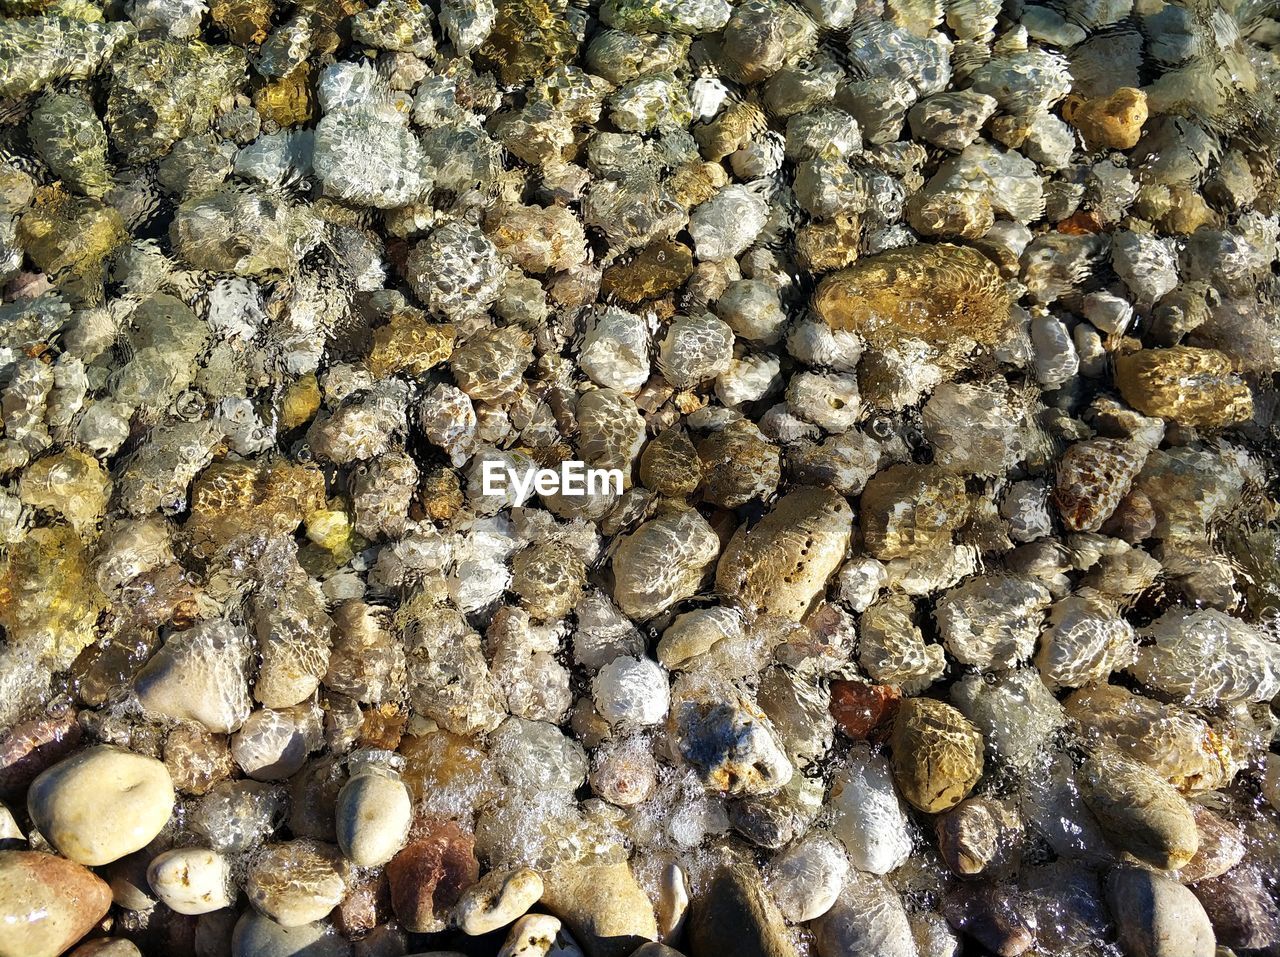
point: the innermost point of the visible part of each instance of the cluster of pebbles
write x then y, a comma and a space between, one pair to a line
935, 341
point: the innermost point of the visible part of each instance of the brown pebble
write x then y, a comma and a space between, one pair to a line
48, 903
862, 709
1109, 122
430, 873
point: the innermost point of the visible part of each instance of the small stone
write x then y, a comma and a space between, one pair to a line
695, 349
909, 508
728, 741
937, 754
661, 267
734, 907
782, 564
408, 343
892, 649
992, 621
273, 745
1240, 908
725, 225
806, 878
951, 120
191, 880
615, 351
690, 17
631, 692
868, 918
538, 935
662, 562
1093, 477
101, 803
797, 707
107, 947
46, 903
296, 882
1157, 917
497, 899
861, 709
1182, 747
992, 915
1140, 811
1208, 658
258, 936
979, 836
1110, 122
602, 905
374, 812
1086, 641
739, 464
869, 817
35, 744
1184, 384
429, 875
1147, 264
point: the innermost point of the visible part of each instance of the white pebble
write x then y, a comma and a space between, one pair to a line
806, 879
632, 691
190, 880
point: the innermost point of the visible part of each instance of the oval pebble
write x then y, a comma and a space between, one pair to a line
46, 903
191, 880
259, 936
101, 804
373, 815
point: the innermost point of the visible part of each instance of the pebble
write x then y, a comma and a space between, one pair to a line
733, 906
861, 710
602, 905
782, 564
662, 562
101, 803
1240, 908
937, 754
991, 914
537, 935
806, 878
46, 903
191, 880
427, 877
728, 742
200, 675
374, 811
1109, 122
632, 692
1156, 916
1139, 810
497, 899
296, 882
273, 745
11, 836
869, 817
979, 836
107, 947
1184, 384
259, 936
868, 920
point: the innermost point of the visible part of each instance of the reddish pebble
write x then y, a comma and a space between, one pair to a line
859, 709
48, 903
430, 873
34, 745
